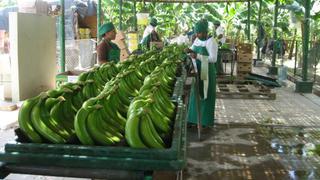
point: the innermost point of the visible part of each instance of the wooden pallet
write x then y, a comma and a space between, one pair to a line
241, 75
243, 90
244, 67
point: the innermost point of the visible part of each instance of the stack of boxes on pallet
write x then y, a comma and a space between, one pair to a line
244, 64
120, 41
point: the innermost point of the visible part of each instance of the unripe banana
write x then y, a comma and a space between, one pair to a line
80, 126
132, 132
147, 135
24, 120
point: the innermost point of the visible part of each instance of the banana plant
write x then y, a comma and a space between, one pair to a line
173, 16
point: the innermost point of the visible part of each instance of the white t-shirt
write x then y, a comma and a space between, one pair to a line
211, 46
220, 30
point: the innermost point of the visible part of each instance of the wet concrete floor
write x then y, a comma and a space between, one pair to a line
252, 151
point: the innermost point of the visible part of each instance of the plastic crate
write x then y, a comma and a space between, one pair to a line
124, 158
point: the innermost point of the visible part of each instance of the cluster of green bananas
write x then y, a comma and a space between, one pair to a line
95, 109
49, 117
96, 78
102, 119
149, 114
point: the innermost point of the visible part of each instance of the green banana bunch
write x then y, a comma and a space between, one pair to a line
149, 134
90, 89
80, 126
96, 131
140, 130
45, 126
24, 120
111, 107
57, 113
132, 131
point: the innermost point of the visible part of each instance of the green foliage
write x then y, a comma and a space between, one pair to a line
6, 3
174, 17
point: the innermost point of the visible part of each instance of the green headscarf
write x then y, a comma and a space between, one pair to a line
201, 26
153, 22
107, 27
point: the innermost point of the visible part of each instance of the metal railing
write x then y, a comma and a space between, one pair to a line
294, 63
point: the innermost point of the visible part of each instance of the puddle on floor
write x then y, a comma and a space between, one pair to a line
252, 151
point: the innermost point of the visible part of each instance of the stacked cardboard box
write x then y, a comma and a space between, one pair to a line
120, 41
244, 64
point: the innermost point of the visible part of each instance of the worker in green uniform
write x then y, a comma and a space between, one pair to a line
150, 34
106, 50
203, 52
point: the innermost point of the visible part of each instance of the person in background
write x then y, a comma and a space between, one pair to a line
150, 34
264, 47
279, 45
191, 35
204, 51
106, 50
219, 33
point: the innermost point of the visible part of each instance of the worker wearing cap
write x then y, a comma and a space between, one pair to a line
106, 50
150, 34
204, 52
219, 33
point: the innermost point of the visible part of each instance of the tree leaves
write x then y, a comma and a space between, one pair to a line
173, 16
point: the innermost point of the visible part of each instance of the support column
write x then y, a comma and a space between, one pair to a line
135, 15
120, 15
305, 86
273, 70
62, 38
98, 18
249, 23
259, 34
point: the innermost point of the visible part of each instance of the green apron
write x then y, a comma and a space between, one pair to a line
207, 103
113, 53
145, 44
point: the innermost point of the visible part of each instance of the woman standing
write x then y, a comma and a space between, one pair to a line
204, 52
106, 50
150, 35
